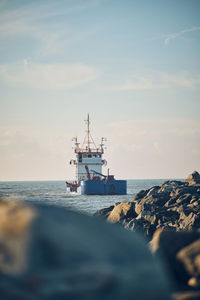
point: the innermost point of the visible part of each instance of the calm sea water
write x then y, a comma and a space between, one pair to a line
54, 193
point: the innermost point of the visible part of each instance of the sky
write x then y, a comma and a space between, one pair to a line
133, 65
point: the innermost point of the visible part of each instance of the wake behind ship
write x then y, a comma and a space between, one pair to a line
88, 163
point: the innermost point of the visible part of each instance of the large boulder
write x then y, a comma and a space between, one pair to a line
104, 212
151, 200
52, 253
190, 257
178, 250
15, 223
123, 210
141, 226
193, 178
190, 222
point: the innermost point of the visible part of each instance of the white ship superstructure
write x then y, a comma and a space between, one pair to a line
88, 157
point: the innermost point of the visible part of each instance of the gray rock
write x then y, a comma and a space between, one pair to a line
169, 244
190, 257
193, 178
153, 191
170, 186
120, 211
141, 226
140, 195
175, 204
148, 216
171, 214
104, 212
192, 221
143, 205
51, 253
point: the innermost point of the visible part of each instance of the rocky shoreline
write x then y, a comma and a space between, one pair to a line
168, 216
49, 252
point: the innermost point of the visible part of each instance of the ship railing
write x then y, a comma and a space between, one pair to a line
78, 150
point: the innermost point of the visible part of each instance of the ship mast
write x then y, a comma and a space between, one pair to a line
88, 131
88, 140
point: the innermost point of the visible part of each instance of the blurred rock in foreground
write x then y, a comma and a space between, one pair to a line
51, 253
180, 252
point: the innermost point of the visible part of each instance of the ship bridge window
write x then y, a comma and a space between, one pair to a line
94, 155
80, 158
99, 155
89, 155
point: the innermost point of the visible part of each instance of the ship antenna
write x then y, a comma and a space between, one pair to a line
88, 131
88, 140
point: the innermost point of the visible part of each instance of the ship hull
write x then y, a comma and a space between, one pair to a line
103, 187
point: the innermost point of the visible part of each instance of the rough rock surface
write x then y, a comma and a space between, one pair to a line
180, 252
193, 178
174, 205
190, 257
170, 213
104, 212
173, 248
51, 253
122, 211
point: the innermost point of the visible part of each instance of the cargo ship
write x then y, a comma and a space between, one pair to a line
89, 161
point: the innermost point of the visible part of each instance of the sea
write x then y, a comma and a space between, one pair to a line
54, 193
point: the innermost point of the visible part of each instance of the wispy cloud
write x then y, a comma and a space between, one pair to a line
47, 76
157, 80
34, 21
175, 35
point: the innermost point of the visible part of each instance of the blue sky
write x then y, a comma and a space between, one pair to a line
133, 65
